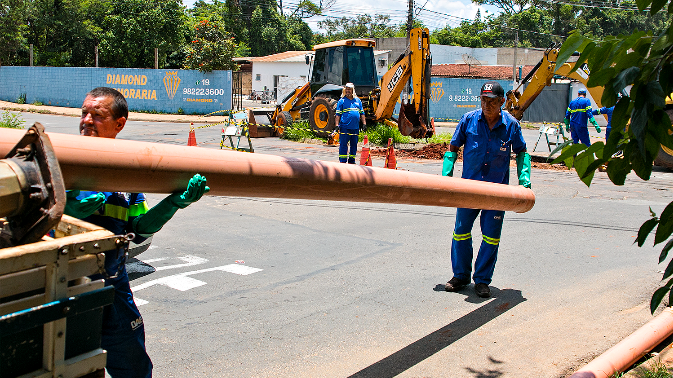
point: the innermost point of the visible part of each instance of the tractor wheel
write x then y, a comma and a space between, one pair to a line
321, 116
283, 121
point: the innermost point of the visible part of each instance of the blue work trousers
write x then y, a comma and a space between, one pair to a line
580, 134
607, 133
461, 247
124, 333
347, 137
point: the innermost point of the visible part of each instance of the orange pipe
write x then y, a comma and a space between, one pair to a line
621, 356
128, 166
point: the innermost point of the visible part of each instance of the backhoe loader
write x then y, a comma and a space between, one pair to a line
352, 61
541, 76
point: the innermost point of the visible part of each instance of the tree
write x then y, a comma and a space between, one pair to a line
12, 29
361, 26
641, 120
132, 29
476, 33
212, 48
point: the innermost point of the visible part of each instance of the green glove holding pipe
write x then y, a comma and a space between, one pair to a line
155, 218
82, 208
449, 160
523, 168
593, 122
567, 122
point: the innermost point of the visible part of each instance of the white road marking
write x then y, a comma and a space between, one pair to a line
183, 282
188, 261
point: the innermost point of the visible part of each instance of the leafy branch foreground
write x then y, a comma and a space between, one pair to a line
636, 72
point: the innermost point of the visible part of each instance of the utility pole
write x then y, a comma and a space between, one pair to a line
410, 18
516, 44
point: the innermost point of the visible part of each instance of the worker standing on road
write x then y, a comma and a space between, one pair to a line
349, 114
104, 114
577, 114
489, 135
608, 112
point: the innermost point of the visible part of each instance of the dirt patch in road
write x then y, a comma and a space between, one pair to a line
435, 151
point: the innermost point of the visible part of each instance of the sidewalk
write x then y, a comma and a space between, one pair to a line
133, 116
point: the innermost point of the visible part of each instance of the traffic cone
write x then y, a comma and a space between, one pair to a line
191, 141
391, 162
365, 158
432, 122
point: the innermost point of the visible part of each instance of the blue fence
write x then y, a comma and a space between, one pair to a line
145, 89
450, 98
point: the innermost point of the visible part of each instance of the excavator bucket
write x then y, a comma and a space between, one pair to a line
411, 123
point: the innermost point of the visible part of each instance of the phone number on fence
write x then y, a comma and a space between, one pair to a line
203, 91
464, 98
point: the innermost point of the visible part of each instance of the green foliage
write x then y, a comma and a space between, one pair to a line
659, 370
299, 132
11, 120
12, 28
380, 133
440, 138
640, 123
361, 26
21, 99
212, 48
132, 29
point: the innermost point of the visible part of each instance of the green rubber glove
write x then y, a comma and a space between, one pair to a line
449, 161
593, 122
567, 122
84, 207
156, 217
523, 168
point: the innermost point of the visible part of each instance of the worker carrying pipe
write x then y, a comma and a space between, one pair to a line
489, 135
104, 114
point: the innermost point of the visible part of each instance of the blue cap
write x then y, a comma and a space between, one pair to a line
581, 91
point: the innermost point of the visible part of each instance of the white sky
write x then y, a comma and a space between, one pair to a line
450, 11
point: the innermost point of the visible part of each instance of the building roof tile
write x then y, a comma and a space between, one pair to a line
476, 72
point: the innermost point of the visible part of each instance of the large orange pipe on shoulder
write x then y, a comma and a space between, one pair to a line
101, 164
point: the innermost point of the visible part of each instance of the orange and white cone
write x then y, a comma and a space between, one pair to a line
191, 141
365, 157
391, 162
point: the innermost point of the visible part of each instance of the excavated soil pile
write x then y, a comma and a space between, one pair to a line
435, 151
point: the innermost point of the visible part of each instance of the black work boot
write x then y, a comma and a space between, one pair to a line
455, 284
482, 290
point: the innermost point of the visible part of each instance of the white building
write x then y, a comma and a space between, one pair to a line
280, 73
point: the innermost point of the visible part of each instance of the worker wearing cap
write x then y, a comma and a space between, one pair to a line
577, 114
349, 114
607, 111
489, 136
104, 114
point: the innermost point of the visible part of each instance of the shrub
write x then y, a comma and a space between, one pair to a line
11, 120
380, 134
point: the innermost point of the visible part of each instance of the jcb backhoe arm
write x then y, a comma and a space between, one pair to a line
414, 64
540, 77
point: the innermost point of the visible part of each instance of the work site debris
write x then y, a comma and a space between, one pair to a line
435, 151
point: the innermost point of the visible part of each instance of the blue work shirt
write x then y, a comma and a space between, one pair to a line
608, 112
487, 152
579, 112
349, 111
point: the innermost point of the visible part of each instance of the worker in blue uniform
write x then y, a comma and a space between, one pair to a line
607, 111
489, 136
577, 115
104, 114
349, 114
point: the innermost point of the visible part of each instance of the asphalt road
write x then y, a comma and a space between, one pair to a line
242, 287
